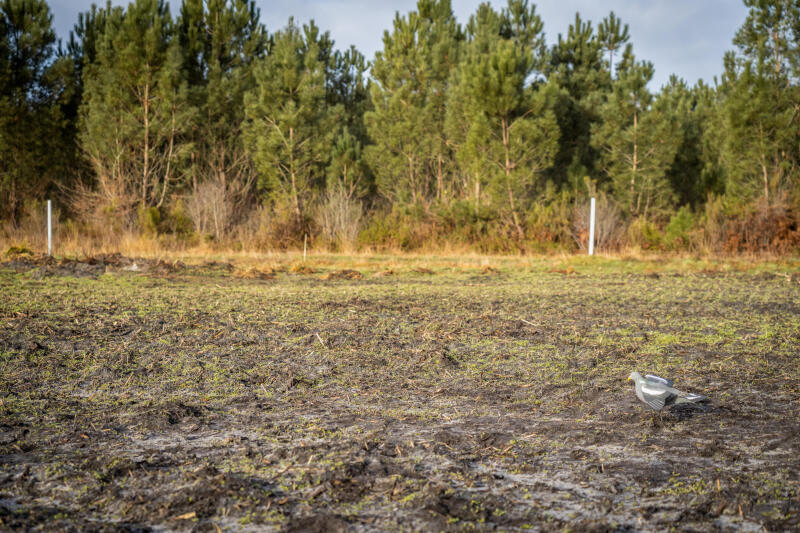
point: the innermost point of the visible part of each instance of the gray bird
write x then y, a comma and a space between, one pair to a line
658, 392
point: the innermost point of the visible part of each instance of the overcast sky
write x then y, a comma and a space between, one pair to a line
685, 37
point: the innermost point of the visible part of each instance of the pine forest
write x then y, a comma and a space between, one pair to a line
197, 125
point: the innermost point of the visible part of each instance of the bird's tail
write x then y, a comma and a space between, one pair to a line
692, 398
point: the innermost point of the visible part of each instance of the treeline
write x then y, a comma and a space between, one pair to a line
207, 127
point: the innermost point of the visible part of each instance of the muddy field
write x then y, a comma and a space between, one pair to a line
146, 395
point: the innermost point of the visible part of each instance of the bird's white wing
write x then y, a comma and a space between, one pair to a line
659, 379
655, 395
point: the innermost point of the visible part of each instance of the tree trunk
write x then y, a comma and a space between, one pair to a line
439, 178
169, 161
611, 61
146, 158
348, 187
477, 193
298, 212
514, 216
507, 168
411, 180
12, 200
635, 157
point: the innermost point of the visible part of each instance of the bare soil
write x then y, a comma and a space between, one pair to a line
206, 398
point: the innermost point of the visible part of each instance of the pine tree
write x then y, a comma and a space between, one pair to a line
221, 40
520, 23
576, 65
84, 38
36, 84
442, 45
410, 155
483, 30
576, 61
695, 171
511, 134
136, 111
761, 102
638, 143
82, 48
711, 120
348, 98
347, 84
348, 169
612, 34
289, 128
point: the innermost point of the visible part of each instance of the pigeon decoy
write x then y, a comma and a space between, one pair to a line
658, 392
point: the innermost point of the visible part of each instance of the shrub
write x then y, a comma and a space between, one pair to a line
550, 221
677, 234
107, 208
177, 221
712, 226
464, 223
767, 228
339, 217
18, 250
392, 231
210, 207
149, 219
645, 234
30, 228
271, 226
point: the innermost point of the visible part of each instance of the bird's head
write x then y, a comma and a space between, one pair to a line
634, 376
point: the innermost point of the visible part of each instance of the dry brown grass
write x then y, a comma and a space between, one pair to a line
70, 243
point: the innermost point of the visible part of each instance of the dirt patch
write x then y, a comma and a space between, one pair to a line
255, 273
342, 274
299, 268
42, 266
324, 523
569, 271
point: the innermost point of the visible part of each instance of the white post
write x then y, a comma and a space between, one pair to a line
591, 227
49, 227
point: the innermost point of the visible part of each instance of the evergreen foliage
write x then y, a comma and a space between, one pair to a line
348, 92
511, 134
576, 65
221, 41
638, 142
612, 34
479, 133
136, 113
36, 84
761, 102
289, 122
410, 156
